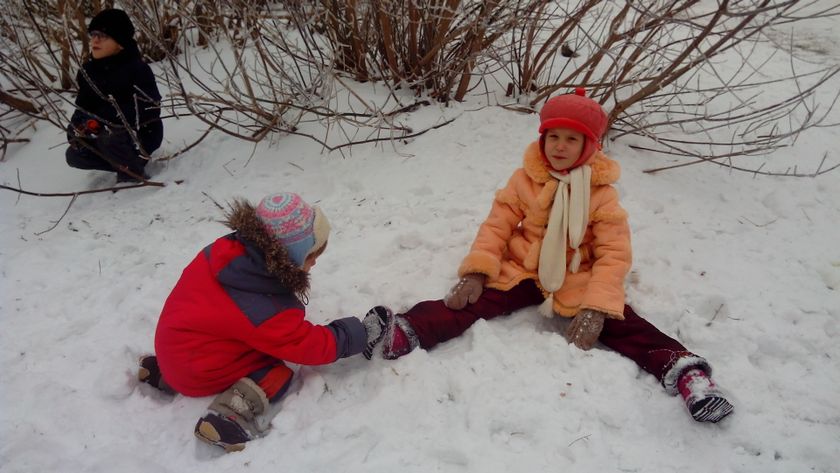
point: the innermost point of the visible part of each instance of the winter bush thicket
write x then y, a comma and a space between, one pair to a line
685, 69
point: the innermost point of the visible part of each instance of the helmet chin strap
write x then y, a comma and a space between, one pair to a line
582, 159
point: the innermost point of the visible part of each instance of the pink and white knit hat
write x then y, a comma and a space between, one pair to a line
300, 227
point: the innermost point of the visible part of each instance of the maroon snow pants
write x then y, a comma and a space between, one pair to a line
633, 337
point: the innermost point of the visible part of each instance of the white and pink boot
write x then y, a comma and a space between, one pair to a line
704, 400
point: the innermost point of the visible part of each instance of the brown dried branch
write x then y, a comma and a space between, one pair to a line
60, 218
24, 106
90, 191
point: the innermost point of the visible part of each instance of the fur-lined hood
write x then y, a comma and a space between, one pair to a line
604, 170
242, 218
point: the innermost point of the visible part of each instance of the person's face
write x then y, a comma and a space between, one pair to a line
309, 262
563, 147
102, 45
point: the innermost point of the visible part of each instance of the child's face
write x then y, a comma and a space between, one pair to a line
563, 147
102, 45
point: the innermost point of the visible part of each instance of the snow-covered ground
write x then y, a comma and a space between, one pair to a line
743, 269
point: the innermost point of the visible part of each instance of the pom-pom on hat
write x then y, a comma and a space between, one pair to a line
298, 226
114, 23
580, 113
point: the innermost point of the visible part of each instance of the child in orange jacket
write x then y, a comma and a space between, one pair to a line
557, 236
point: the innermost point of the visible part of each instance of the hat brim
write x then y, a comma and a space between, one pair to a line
320, 230
562, 122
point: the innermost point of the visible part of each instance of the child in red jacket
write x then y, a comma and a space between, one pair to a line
237, 314
557, 237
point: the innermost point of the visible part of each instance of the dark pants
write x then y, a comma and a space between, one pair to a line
87, 153
633, 337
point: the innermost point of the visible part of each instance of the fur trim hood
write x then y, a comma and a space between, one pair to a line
604, 170
242, 218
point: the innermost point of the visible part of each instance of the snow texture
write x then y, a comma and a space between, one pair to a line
743, 269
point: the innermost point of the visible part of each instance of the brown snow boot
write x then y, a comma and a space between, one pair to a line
149, 373
232, 418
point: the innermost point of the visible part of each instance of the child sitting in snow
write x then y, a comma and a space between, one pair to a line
116, 88
557, 236
237, 314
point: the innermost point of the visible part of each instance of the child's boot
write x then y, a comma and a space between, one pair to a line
399, 339
232, 418
703, 399
149, 373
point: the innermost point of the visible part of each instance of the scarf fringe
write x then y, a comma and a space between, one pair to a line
546, 309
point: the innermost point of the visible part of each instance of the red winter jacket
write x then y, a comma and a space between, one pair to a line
228, 317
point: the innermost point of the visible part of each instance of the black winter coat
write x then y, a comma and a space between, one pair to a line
132, 84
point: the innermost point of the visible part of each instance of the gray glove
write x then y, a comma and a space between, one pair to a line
467, 290
585, 328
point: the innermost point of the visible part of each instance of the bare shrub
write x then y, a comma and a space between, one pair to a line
673, 64
255, 78
240, 67
660, 68
431, 46
682, 73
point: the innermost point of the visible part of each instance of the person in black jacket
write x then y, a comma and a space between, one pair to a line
117, 123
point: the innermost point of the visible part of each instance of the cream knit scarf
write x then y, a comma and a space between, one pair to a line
569, 216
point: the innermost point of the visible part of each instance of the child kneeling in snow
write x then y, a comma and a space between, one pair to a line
118, 106
237, 314
557, 236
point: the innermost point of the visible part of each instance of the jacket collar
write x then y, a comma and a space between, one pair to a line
248, 272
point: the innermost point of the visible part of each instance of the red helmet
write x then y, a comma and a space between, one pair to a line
578, 112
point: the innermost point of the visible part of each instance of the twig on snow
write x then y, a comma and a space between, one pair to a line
59, 218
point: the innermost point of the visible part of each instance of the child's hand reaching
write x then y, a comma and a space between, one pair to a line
376, 323
467, 290
585, 328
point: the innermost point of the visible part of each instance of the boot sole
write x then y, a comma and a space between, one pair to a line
143, 373
714, 410
208, 434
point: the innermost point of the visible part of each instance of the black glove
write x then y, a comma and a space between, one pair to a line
376, 322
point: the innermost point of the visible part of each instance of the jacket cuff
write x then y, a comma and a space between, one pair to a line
350, 336
671, 377
606, 298
481, 262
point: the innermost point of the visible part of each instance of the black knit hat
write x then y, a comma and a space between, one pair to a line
114, 23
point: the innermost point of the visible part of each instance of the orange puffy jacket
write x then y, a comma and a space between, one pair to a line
507, 247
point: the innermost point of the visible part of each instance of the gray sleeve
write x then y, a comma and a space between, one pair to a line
350, 336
